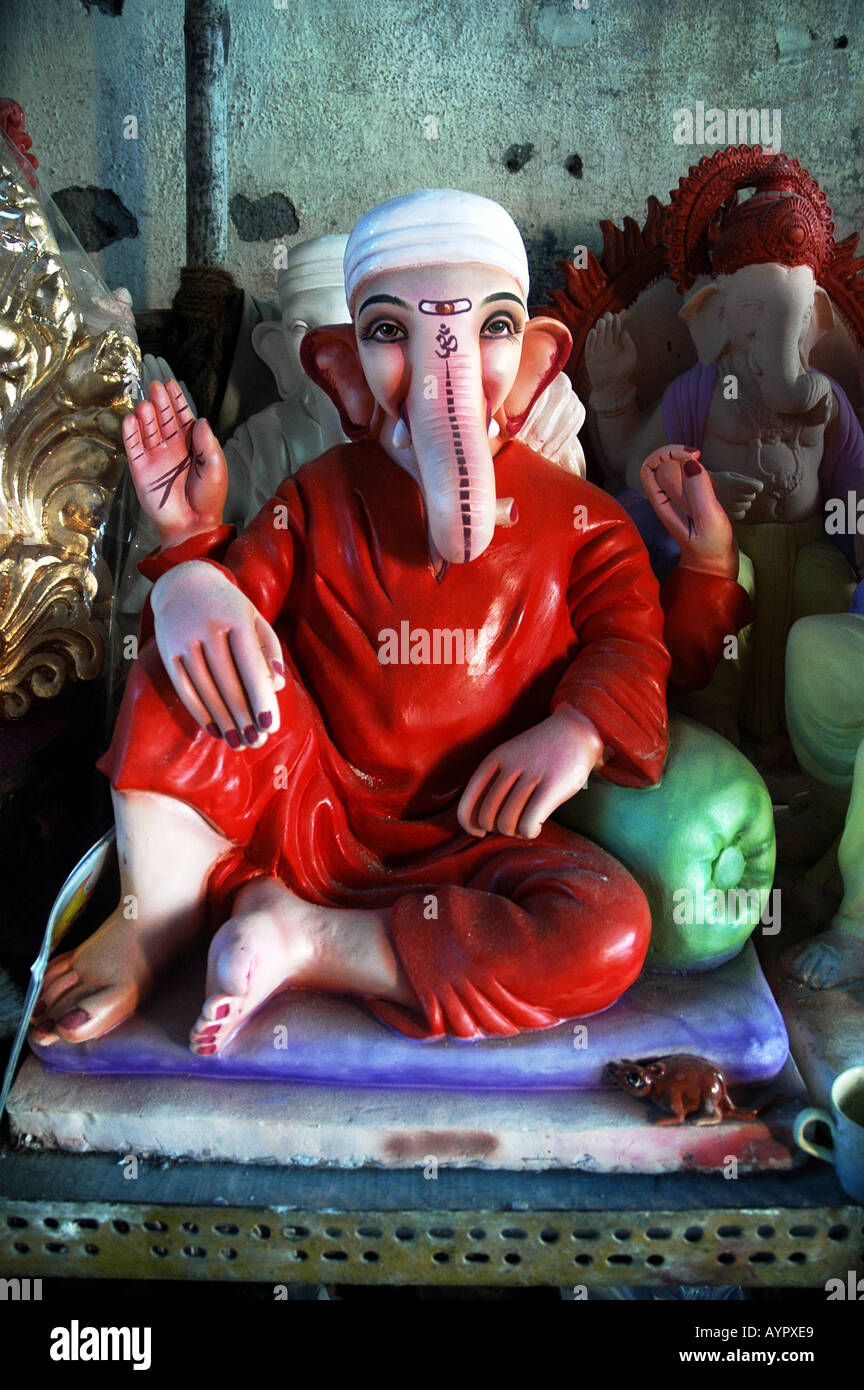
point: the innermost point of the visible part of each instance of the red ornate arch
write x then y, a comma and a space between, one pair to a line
706, 228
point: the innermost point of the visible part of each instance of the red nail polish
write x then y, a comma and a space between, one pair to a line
278, 668
691, 468
75, 1018
233, 739
265, 720
206, 1050
250, 733
223, 1011
213, 730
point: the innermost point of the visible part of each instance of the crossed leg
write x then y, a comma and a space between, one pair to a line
546, 931
275, 941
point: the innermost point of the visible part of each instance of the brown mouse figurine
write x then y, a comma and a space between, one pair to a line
679, 1085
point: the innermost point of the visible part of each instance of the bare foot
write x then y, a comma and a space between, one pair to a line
834, 958
263, 948
277, 941
166, 853
90, 990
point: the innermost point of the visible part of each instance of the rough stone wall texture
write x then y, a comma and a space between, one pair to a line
562, 111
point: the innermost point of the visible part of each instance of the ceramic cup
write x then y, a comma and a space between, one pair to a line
846, 1122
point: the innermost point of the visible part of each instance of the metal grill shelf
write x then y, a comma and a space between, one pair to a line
194, 1221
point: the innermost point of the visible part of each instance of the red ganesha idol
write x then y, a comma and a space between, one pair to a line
348, 729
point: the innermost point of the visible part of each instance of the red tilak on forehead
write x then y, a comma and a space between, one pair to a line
444, 307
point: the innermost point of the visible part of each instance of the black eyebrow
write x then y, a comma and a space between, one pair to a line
383, 299
493, 298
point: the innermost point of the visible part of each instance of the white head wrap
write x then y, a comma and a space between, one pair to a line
437, 226
312, 265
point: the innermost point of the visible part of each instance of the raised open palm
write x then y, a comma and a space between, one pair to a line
610, 355
177, 465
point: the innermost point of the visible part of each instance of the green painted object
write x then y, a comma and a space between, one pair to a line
700, 844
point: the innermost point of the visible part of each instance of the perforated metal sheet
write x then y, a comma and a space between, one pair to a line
756, 1247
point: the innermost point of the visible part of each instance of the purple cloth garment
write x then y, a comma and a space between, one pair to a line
728, 1014
686, 403
842, 468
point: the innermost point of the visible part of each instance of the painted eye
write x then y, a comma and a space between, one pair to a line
502, 326
384, 331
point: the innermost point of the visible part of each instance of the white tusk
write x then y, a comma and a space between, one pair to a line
401, 435
494, 429
506, 512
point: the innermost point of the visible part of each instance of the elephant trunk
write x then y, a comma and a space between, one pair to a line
449, 434
787, 386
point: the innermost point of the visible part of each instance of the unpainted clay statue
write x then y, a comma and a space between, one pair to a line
779, 438
679, 1085
344, 745
304, 424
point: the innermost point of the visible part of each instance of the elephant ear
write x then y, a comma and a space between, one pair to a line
704, 314
268, 340
546, 345
329, 357
822, 320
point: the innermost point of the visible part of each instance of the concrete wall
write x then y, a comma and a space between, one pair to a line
563, 114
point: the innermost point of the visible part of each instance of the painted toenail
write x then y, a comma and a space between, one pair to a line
210, 1029
223, 1011
265, 720
46, 1026
214, 731
206, 1050
691, 468
278, 668
75, 1018
233, 739
250, 733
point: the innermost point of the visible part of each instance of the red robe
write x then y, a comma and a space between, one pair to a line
354, 801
